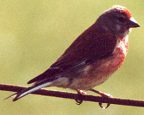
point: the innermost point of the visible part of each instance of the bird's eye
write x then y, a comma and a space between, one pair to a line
121, 19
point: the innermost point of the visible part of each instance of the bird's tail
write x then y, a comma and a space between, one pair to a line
30, 90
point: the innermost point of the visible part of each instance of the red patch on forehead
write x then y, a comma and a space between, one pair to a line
122, 10
126, 12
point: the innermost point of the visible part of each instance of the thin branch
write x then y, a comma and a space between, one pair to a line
127, 102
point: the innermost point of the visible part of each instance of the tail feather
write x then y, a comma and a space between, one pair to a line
30, 90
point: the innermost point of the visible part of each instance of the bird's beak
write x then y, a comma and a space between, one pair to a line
133, 23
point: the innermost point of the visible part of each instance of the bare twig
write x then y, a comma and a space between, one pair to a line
127, 102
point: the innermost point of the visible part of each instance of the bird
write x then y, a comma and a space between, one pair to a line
92, 58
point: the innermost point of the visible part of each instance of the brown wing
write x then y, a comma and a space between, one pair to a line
89, 47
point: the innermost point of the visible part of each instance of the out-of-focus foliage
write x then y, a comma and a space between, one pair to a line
34, 33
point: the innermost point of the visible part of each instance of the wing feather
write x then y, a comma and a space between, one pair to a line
89, 47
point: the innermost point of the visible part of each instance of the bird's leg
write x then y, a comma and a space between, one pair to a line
81, 92
79, 99
103, 95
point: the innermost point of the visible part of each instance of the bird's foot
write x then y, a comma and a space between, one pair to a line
105, 95
79, 100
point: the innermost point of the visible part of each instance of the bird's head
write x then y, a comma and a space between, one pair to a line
117, 20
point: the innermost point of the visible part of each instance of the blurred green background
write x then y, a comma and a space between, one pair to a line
34, 33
